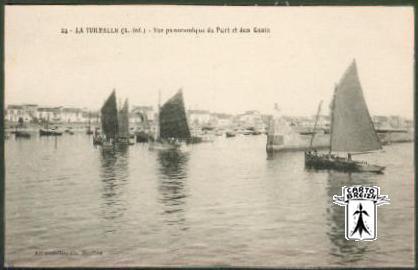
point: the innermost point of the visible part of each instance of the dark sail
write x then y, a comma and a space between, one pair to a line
123, 121
173, 120
109, 117
352, 129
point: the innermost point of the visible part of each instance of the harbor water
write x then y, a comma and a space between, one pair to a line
224, 203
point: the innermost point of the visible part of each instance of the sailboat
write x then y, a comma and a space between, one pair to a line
109, 120
172, 129
352, 130
115, 124
123, 136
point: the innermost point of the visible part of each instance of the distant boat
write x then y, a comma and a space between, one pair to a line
230, 134
143, 136
69, 131
49, 132
172, 127
19, 133
352, 130
22, 134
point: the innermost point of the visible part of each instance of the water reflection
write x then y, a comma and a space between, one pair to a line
114, 174
172, 173
345, 251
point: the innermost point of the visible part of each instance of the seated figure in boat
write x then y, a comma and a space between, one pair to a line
97, 138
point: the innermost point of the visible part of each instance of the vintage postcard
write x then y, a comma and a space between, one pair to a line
142, 135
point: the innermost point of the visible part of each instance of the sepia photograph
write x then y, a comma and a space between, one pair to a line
209, 136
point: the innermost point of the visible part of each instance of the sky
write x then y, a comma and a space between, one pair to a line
295, 65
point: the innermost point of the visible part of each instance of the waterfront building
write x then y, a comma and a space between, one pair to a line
251, 119
25, 112
51, 114
92, 116
222, 120
199, 117
72, 115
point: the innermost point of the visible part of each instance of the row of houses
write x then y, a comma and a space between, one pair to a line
380, 122
248, 119
140, 114
34, 113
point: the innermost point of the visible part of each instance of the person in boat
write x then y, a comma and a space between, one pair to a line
349, 156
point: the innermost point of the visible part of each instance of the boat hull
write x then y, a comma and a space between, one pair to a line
230, 134
124, 141
45, 132
22, 134
163, 146
142, 137
107, 146
325, 162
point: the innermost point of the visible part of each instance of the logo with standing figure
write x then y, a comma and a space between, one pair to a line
360, 204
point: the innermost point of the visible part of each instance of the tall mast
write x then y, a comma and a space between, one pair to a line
157, 124
316, 122
332, 105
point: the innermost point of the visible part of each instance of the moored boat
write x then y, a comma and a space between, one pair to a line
49, 132
19, 132
69, 131
22, 134
143, 136
230, 134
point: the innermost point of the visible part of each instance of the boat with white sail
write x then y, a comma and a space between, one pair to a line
352, 131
